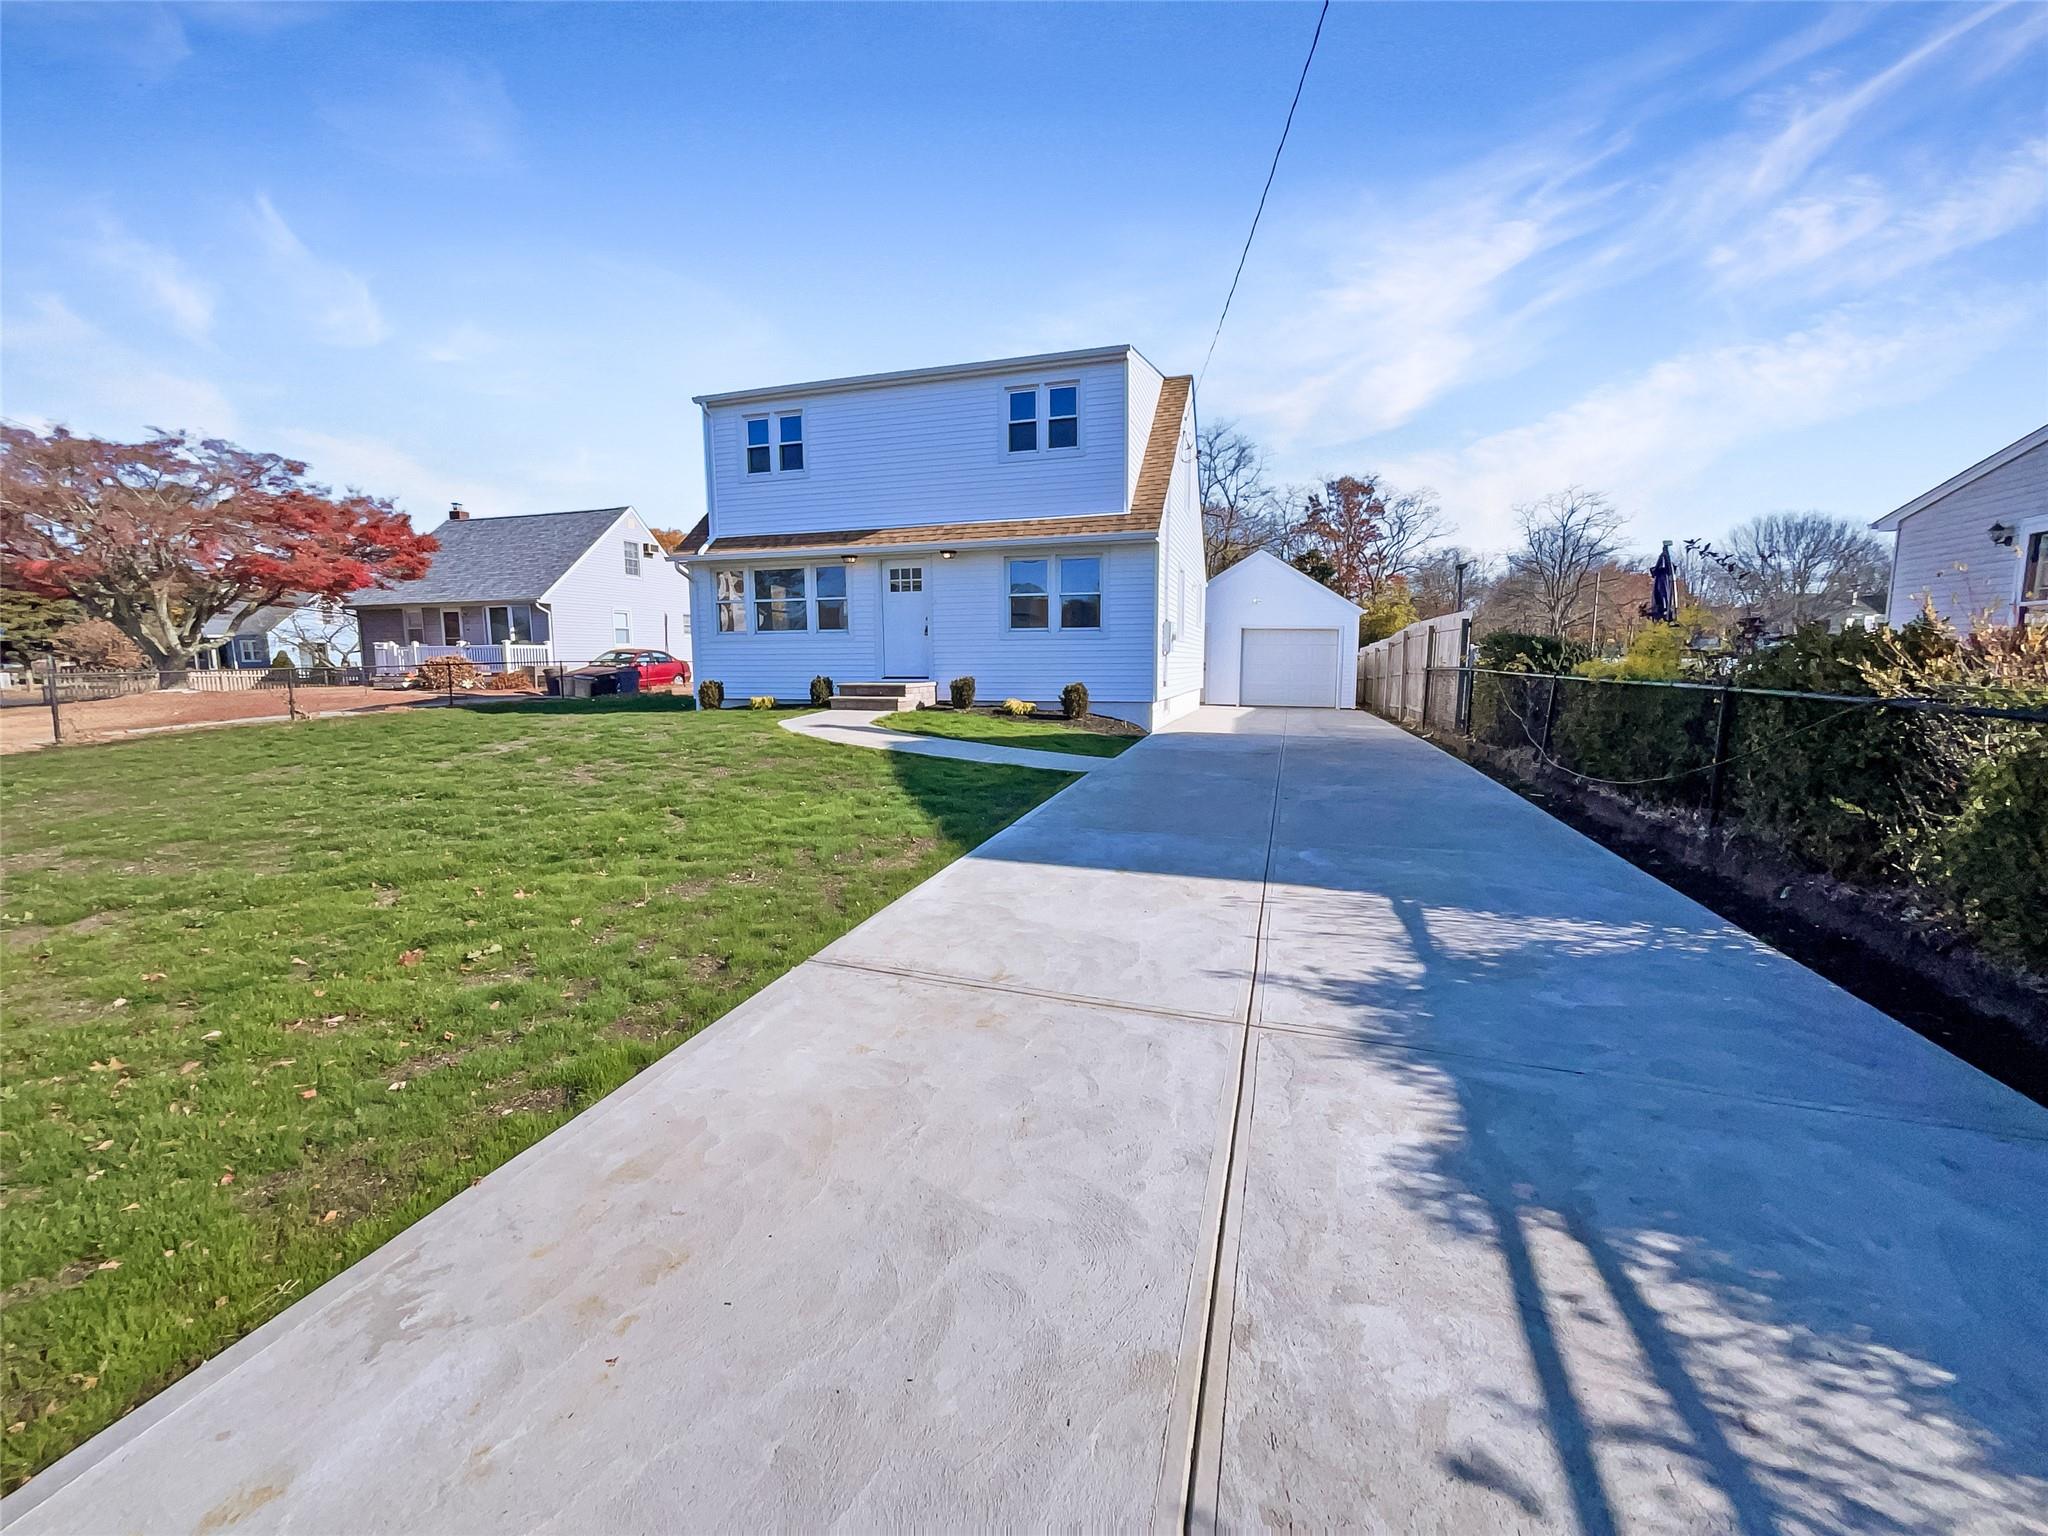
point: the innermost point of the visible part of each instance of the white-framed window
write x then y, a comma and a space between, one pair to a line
829, 582
510, 624
415, 626
730, 590
775, 443
451, 626
1080, 592
249, 650
2030, 605
1042, 418
632, 557
1055, 593
906, 578
622, 627
779, 605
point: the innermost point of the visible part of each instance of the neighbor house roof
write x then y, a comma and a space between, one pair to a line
1889, 523
910, 375
1148, 507
261, 622
495, 559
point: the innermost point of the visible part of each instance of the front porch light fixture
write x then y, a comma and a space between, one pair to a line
849, 559
945, 554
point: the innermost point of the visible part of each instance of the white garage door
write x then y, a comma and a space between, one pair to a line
1289, 666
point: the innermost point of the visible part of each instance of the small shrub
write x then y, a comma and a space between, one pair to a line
822, 689
1506, 650
1074, 701
282, 663
961, 691
761, 701
711, 694
1995, 856
1017, 707
1388, 614
96, 643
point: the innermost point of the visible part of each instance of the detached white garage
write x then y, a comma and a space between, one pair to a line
1276, 636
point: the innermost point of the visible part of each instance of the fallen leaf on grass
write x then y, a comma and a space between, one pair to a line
412, 957
447, 1034
211, 1034
154, 975
393, 1087
309, 1093
330, 1216
496, 1006
188, 1069
227, 1178
519, 895
120, 1002
575, 922
132, 1205
102, 1146
111, 1064
319, 991
111, 1264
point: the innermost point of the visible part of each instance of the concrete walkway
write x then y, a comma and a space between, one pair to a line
857, 728
1285, 1127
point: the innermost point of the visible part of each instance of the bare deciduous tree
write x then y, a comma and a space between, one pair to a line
1239, 508
1565, 535
1794, 568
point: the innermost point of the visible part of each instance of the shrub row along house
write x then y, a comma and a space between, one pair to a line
1031, 522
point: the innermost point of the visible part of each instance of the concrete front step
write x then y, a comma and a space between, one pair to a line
899, 695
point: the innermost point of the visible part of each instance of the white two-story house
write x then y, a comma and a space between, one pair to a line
1029, 522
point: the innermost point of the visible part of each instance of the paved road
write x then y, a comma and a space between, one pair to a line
1282, 1126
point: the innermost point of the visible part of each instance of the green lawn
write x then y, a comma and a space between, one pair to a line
273, 993
1095, 737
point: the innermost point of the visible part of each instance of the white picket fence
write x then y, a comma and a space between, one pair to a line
390, 656
1394, 673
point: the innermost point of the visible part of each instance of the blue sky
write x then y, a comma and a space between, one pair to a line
1713, 260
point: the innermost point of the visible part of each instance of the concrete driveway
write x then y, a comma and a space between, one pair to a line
1282, 1126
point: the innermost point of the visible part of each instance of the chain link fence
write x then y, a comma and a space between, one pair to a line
43, 704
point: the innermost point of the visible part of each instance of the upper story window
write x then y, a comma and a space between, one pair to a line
632, 557
775, 443
1048, 415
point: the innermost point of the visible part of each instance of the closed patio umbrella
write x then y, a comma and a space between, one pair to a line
1663, 607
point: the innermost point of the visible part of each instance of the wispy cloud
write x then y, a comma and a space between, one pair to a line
430, 116
335, 303
155, 276
1641, 437
60, 367
381, 468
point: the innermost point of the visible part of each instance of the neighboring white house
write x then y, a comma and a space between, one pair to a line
1276, 636
1977, 544
311, 634
1029, 522
549, 587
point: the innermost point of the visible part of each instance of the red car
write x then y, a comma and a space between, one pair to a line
658, 669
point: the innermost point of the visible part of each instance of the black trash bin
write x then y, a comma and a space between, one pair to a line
600, 682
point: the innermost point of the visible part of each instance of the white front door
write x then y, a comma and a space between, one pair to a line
906, 620
1288, 666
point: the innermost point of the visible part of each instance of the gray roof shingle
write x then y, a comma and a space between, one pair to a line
496, 559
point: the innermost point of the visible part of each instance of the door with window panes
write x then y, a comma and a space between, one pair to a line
906, 620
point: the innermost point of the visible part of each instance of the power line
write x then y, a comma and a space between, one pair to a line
1270, 172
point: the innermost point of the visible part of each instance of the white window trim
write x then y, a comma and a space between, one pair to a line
460, 637
631, 552
811, 629
743, 627
1042, 391
774, 417
410, 619
2026, 530
627, 637
1052, 558
249, 650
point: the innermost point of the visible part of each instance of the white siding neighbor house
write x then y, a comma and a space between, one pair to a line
1029, 522
1976, 546
1279, 637
543, 589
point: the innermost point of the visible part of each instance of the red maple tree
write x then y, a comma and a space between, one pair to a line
160, 537
1342, 523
